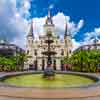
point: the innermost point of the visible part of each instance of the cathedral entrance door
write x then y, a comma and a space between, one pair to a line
54, 65
43, 64
62, 66
35, 64
31, 67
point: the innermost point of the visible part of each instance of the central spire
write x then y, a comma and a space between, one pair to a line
49, 13
49, 17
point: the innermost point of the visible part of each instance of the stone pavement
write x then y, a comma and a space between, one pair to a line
15, 93
8, 93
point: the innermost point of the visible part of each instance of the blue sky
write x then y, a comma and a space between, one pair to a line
82, 16
77, 9
87, 10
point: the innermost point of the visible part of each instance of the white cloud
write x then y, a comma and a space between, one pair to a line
97, 31
91, 36
75, 44
75, 27
14, 25
38, 25
80, 24
59, 20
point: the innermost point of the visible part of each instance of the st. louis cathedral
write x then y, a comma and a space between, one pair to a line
35, 48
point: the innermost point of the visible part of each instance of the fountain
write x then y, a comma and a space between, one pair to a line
49, 78
49, 71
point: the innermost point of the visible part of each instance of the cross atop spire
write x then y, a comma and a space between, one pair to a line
31, 30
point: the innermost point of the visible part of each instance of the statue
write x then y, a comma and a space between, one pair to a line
49, 72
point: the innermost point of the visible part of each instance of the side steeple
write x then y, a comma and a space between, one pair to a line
31, 34
30, 39
66, 31
29, 46
67, 41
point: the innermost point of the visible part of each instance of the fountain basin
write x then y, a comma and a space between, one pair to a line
61, 80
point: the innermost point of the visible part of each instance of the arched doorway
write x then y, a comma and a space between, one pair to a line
62, 65
31, 67
35, 64
43, 64
54, 64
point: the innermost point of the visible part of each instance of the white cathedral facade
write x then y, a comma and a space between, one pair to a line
34, 48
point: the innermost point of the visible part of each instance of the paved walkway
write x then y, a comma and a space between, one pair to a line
12, 93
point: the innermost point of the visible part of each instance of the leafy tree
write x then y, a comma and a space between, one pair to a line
13, 63
85, 60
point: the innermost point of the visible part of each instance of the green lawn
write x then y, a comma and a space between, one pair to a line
61, 80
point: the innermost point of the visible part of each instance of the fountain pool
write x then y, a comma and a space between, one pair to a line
59, 81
